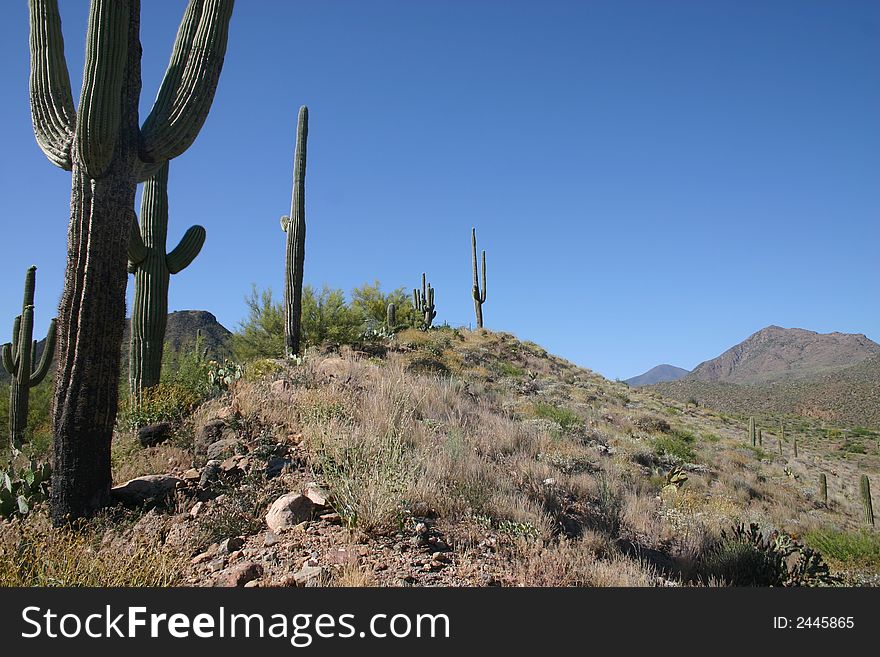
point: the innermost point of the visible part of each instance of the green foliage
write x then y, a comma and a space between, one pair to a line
326, 319
859, 549
510, 369
676, 446
22, 489
261, 335
565, 418
744, 557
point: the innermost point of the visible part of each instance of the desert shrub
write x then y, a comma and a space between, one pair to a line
565, 418
371, 477
241, 510
510, 369
165, 402
745, 557
853, 548
261, 335
371, 304
676, 446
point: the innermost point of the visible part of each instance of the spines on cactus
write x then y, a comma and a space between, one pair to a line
424, 303
152, 268
295, 227
478, 292
865, 493
19, 359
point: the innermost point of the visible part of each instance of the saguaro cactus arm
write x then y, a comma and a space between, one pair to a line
100, 111
8, 361
137, 250
190, 82
52, 111
42, 369
187, 250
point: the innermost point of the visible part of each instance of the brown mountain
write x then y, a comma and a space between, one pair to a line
776, 354
659, 374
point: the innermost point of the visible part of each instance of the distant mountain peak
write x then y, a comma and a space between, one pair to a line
659, 374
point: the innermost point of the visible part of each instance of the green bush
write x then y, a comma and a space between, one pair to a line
676, 446
861, 548
744, 557
564, 417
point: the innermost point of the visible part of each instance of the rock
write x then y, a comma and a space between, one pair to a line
288, 511
252, 584
146, 489
192, 475
210, 472
275, 466
333, 368
229, 464
152, 435
222, 448
196, 509
270, 539
332, 518
318, 495
210, 433
277, 387
310, 576
230, 545
240, 575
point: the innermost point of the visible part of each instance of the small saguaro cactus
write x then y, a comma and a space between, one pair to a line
152, 269
424, 303
752, 435
794, 445
760, 438
20, 360
479, 293
865, 491
295, 227
823, 487
391, 316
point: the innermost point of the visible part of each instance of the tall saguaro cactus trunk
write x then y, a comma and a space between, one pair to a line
108, 154
20, 360
152, 269
478, 293
295, 227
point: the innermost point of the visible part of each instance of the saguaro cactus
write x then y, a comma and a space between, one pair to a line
865, 491
424, 303
107, 153
823, 487
794, 445
760, 438
19, 359
152, 269
391, 316
295, 227
479, 293
752, 435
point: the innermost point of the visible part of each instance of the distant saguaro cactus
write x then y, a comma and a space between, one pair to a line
794, 445
19, 359
295, 227
823, 487
479, 293
152, 269
865, 492
108, 153
760, 438
424, 303
752, 435
391, 316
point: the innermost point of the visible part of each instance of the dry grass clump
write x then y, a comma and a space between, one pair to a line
33, 553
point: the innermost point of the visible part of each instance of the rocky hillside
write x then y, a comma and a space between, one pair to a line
848, 397
455, 457
659, 374
775, 353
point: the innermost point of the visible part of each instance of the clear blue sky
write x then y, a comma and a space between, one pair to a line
653, 181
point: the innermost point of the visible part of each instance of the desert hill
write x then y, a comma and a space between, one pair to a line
658, 374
